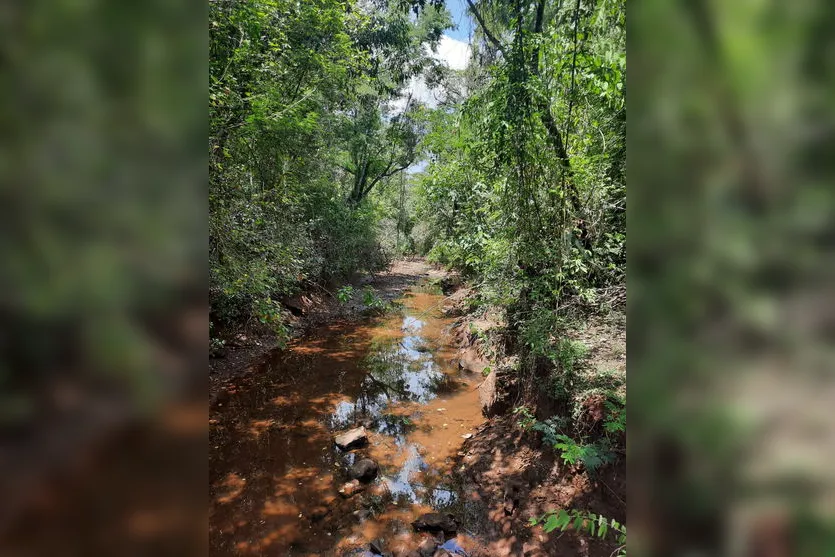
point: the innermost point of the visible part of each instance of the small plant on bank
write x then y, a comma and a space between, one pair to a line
616, 416
550, 428
591, 455
268, 312
345, 294
584, 522
570, 354
526, 418
371, 300
215, 343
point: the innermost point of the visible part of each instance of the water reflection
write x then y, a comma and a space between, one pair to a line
441, 497
275, 472
412, 324
398, 370
413, 484
400, 486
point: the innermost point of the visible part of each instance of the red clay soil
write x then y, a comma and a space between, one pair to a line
506, 474
510, 477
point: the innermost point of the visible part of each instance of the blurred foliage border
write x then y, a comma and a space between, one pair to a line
104, 329
730, 223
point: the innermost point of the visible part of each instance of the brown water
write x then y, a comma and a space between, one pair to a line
275, 472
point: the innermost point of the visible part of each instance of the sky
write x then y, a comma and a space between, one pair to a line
453, 50
458, 9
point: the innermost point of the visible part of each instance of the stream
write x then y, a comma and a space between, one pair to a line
275, 472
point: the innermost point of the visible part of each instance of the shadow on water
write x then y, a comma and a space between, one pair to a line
274, 470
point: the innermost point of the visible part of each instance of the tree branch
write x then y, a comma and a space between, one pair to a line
573, 68
540, 16
389, 171
493, 40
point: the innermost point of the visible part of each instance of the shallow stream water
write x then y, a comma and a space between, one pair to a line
275, 471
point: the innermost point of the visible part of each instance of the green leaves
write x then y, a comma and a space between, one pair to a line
298, 96
584, 522
344, 294
556, 521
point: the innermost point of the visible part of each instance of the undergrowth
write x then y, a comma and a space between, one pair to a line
586, 522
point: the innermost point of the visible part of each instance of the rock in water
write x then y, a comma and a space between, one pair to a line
351, 439
435, 522
364, 470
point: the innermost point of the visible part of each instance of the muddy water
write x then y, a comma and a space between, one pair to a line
275, 472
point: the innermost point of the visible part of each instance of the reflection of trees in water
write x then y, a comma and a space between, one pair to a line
396, 373
401, 374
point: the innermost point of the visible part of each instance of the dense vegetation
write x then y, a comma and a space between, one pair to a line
307, 121
313, 129
525, 193
314, 125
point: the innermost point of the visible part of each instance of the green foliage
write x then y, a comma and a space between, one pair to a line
216, 344
570, 353
303, 126
565, 435
616, 417
526, 418
590, 455
526, 185
371, 301
344, 294
584, 522
550, 429
525, 190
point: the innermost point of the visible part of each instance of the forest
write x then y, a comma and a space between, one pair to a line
413, 295
343, 144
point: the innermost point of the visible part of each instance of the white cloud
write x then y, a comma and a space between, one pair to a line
451, 52
456, 54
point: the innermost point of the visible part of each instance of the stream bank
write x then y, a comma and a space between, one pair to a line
510, 473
